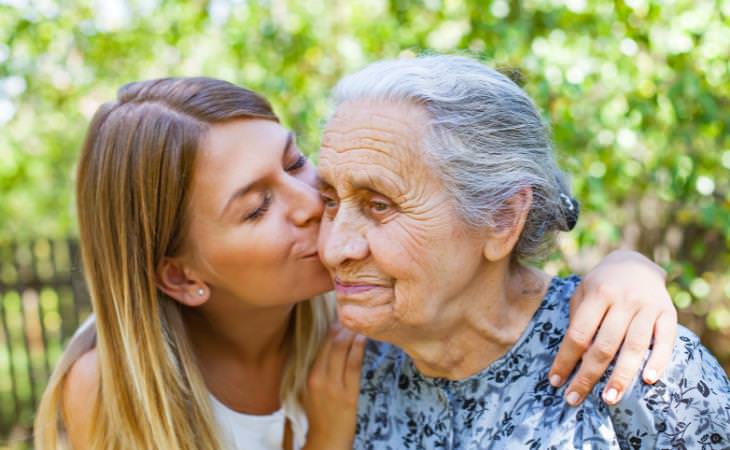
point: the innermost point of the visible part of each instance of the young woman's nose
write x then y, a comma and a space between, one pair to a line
305, 202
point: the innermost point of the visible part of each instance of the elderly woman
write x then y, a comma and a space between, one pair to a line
439, 184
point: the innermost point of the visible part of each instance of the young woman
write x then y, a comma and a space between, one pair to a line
198, 219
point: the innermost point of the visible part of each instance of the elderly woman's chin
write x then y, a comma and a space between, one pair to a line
368, 315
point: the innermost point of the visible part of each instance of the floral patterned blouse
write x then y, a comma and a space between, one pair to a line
511, 404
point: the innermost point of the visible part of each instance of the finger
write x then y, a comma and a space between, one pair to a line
578, 338
354, 364
665, 333
630, 357
599, 355
576, 300
338, 356
319, 366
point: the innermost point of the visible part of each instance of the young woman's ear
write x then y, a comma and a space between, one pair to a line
502, 239
180, 283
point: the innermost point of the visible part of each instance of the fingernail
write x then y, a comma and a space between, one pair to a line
573, 398
555, 380
611, 396
650, 376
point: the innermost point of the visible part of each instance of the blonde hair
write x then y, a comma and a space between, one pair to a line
133, 184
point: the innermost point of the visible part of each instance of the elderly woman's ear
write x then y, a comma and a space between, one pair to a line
510, 221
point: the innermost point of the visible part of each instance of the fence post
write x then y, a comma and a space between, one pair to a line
26, 272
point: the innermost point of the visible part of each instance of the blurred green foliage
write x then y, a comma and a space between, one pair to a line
637, 91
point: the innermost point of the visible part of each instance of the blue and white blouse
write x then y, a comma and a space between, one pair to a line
511, 404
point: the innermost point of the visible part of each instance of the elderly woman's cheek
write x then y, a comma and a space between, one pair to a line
325, 228
399, 248
401, 251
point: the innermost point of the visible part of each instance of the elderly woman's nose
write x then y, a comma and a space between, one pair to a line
342, 243
305, 203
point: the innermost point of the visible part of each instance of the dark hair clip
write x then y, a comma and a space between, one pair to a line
572, 210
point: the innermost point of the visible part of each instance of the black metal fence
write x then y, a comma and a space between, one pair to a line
42, 301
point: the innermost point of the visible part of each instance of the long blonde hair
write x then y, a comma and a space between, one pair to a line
132, 192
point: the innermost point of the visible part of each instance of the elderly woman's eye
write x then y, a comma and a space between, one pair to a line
329, 201
380, 207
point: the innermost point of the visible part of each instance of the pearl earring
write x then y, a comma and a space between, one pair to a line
200, 292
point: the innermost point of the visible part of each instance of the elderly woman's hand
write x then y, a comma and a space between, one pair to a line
625, 296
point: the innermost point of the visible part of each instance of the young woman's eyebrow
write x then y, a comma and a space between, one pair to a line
289, 144
243, 190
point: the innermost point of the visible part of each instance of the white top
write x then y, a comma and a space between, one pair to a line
251, 432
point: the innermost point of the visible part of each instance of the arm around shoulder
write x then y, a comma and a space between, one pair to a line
79, 396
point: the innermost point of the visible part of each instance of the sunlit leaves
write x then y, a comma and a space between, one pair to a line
637, 92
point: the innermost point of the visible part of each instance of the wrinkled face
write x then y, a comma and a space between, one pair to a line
390, 236
255, 215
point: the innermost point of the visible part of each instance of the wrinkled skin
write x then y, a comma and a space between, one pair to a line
407, 268
379, 224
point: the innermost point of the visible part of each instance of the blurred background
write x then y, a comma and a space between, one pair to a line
637, 92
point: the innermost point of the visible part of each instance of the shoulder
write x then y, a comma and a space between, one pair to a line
551, 319
82, 379
558, 294
79, 395
563, 288
688, 407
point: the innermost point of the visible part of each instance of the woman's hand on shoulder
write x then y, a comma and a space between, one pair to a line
617, 309
332, 390
79, 395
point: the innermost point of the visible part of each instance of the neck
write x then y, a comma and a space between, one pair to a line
242, 333
478, 326
242, 351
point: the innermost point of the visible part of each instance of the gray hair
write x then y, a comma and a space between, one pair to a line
486, 140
